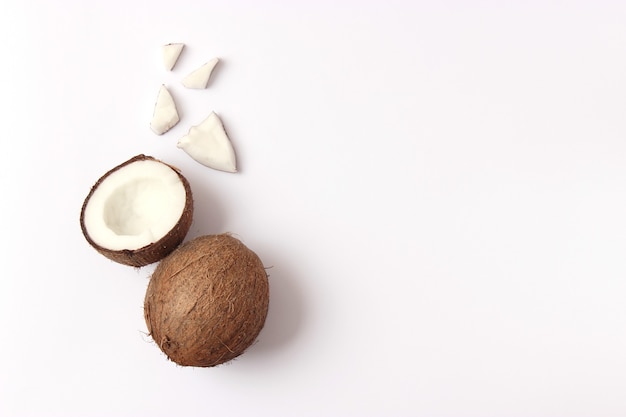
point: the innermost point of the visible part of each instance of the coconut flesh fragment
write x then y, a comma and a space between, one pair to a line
208, 144
165, 115
171, 52
199, 78
135, 206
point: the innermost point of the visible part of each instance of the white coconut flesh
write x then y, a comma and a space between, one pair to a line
135, 206
199, 78
171, 52
165, 115
208, 144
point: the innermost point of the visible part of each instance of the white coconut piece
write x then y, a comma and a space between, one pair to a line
199, 78
171, 52
135, 206
208, 144
165, 115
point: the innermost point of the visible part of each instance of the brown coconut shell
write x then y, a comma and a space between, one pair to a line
155, 251
207, 301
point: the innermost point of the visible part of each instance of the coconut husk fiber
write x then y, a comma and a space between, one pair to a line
207, 301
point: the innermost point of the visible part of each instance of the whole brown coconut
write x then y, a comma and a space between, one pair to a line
207, 301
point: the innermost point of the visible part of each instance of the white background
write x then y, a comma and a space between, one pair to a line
439, 188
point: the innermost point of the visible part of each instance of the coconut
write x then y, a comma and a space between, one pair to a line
165, 114
207, 301
170, 53
199, 78
138, 212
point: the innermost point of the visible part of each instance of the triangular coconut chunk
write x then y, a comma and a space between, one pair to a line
165, 115
208, 144
200, 78
171, 52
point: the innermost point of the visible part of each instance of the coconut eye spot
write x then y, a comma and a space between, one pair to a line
135, 206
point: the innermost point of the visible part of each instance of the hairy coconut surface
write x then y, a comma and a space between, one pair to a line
207, 301
138, 212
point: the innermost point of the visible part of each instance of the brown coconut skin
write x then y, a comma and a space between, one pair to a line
157, 250
207, 301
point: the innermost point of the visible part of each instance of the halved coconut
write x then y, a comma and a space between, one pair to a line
138, 212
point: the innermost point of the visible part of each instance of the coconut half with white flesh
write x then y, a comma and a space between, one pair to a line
138, 212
